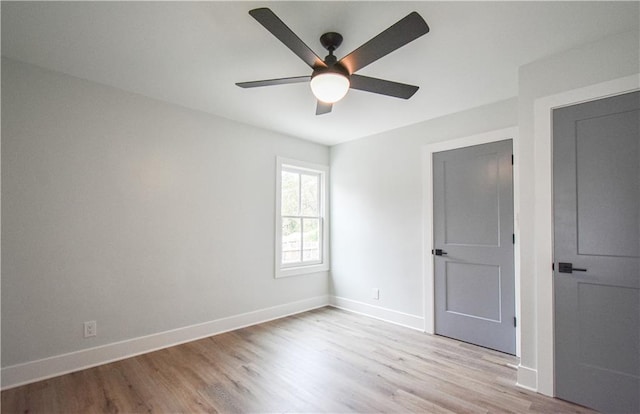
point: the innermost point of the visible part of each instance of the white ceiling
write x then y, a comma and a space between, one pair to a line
192, 53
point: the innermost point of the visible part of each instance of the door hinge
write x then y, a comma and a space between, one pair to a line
511, 159
553, 266
515, 322
514, 238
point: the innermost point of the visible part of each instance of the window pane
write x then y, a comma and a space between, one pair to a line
310, 199
291, 240
290, 201
311, 240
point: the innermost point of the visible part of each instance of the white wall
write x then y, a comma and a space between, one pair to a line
376, 210
141, 215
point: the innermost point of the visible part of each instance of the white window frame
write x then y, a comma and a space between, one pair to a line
322, 265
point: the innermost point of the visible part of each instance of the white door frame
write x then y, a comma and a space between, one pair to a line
544, 213
427, 217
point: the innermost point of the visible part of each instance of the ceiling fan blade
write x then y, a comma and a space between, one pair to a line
383, 87
323, 108
269, 82
402, 32
281, 31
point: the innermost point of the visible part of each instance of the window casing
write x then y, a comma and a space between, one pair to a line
301, 218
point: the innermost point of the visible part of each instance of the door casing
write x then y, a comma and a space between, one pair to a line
543, 380
428, 258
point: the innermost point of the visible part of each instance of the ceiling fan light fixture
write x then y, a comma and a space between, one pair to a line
329, 87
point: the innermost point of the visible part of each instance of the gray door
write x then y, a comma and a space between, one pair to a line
596, 170
473, 240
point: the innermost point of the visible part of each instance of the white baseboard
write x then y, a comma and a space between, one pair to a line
527, 378
378, 312
25, 373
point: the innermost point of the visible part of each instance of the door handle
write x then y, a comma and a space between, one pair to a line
568, 268
438, 252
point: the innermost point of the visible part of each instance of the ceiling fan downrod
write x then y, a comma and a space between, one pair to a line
331, 41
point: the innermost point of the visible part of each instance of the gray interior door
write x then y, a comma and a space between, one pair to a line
596, 170
473, 240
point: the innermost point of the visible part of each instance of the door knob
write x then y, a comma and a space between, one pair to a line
568, 268
438, 252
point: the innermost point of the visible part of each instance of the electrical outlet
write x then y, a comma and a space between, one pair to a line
375, 293
90, 329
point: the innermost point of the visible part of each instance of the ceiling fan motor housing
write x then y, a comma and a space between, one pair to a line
331, 68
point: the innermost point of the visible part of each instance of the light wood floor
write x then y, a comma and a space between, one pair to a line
325, 360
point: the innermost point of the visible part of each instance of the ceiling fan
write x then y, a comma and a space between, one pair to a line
332, 78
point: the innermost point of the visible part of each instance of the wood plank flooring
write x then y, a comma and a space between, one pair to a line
326, 360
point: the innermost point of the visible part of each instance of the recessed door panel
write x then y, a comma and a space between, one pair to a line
473, 178
609, 319
607, 223
473, 290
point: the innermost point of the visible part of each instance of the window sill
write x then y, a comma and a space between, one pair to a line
301, 270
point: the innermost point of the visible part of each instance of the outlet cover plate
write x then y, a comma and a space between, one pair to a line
90, 329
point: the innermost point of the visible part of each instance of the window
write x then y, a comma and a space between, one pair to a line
301, 218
